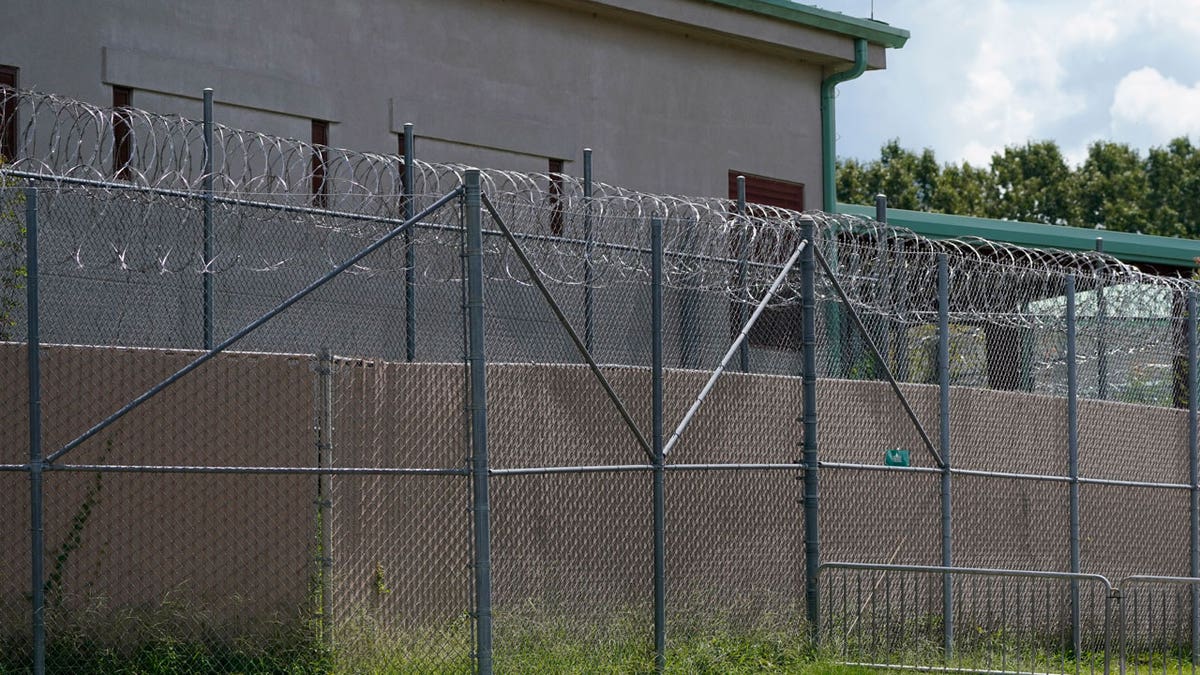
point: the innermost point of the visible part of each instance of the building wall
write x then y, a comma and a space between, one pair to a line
668, 106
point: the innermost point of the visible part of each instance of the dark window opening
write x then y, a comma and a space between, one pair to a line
122, 132
777, 327
8, 113
556, 205
320, 158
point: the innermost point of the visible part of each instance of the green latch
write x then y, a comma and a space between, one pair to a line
896, 457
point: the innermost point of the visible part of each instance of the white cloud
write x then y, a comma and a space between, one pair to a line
978, 154
977, 76
1146, 101
1016, 81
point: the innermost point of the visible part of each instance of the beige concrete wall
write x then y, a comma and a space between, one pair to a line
243, 547
670, 94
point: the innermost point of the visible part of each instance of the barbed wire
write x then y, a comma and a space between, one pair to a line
575, 233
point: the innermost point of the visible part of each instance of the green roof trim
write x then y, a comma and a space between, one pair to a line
1125, 246
872, 31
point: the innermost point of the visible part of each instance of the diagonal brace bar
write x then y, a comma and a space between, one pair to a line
733, 349
887, 372
250, 328
562, 318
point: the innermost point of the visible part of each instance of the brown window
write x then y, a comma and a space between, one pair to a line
777, 327
320, 143
122, 130
8, 114
556, 206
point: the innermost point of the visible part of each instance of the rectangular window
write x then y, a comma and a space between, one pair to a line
8, 114
122, 131
320, 158
556, 205
777, 327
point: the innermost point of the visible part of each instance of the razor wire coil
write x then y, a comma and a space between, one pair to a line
118, 159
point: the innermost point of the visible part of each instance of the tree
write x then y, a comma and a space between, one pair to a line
1114, 186
851, 182
908, 179
963, 190
1031, 182
1110, 189
1173, 186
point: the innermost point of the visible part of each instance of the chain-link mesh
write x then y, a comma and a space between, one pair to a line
303, 499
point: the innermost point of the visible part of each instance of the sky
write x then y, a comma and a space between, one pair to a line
978, 75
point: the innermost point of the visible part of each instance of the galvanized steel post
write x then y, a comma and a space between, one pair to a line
660, 508
36, 462
885, 333
1101, 334
943, 291
588, 246
1073, 451
481, 507
812, 521
1194, 469
410, 253
325, 491
743, 265
207, 194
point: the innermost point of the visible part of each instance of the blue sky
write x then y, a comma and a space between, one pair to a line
978, 75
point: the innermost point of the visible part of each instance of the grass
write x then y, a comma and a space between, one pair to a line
529, 641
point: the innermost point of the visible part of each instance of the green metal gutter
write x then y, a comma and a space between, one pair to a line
1125, 246
875, 32
829, 124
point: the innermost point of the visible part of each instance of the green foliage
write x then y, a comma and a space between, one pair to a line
1173, 177
1032, 183
173, 637
1111, 189
1114, 188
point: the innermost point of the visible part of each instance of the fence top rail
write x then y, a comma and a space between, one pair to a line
1158, 579
973, 571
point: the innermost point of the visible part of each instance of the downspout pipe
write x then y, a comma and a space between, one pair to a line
829, 126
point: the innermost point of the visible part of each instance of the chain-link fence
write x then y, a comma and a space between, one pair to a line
274, 407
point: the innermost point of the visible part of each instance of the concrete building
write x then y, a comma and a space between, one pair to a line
672, 94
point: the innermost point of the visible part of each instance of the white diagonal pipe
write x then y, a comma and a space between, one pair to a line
737, 343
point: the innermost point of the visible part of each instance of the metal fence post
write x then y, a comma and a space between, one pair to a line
1194, 470
36, 462
1101, 342
944, 415
1113, 597
1073, 452
883, 334
479, 451
660, 558
588, 246
207, 193
410, 252
325, 490
812, 521
743, 265
1119, 598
